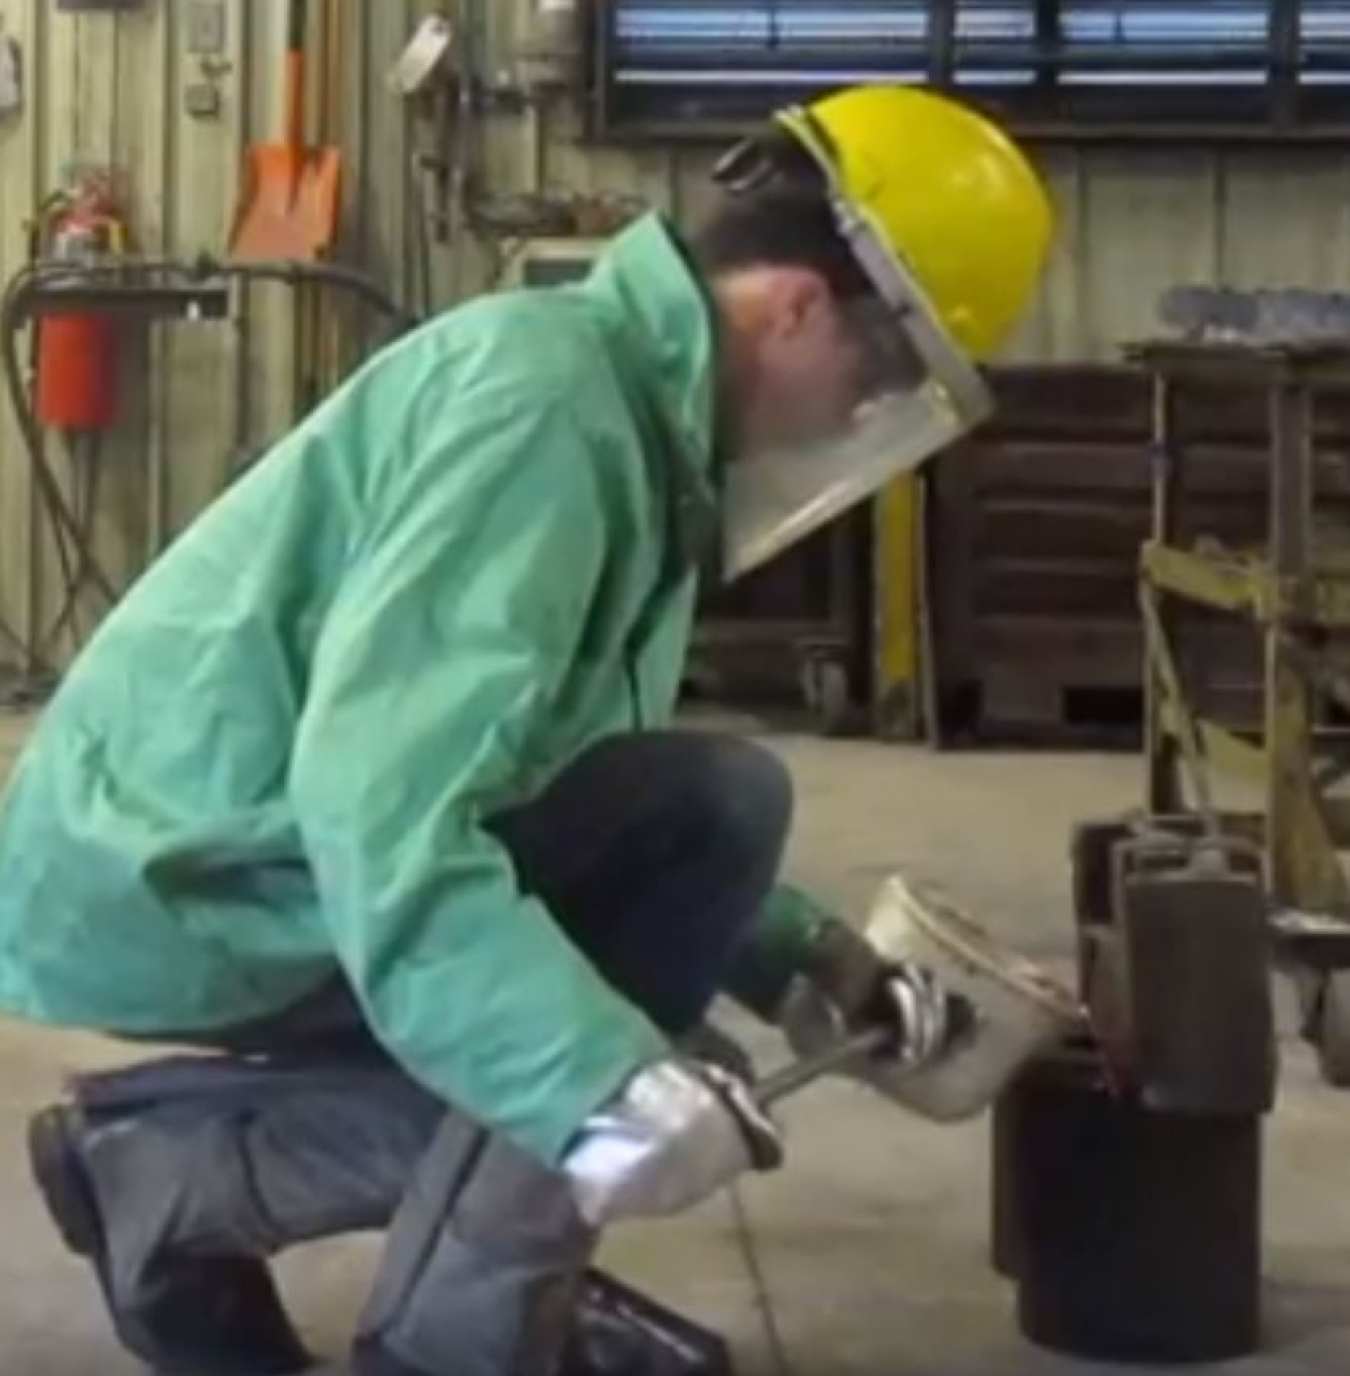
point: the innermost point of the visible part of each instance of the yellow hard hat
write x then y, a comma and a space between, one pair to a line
947, 192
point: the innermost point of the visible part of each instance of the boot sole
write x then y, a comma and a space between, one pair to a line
59, 1172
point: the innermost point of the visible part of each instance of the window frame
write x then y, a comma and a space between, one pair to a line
1283, 109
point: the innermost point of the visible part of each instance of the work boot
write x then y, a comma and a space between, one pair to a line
213, 1316
620, 1332
484, 1271
483, 1265
178, 1178
615, 1331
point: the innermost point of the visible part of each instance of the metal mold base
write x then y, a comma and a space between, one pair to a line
1133, 1236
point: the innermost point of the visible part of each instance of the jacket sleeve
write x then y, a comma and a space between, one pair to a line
437, 667
780, 946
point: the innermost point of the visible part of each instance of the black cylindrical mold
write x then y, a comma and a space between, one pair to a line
1134, 1236
1004, 1243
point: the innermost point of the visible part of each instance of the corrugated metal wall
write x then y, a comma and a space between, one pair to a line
1134, 222
107, 91
198, 400
202, 399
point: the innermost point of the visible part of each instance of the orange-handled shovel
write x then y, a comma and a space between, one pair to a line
292, 193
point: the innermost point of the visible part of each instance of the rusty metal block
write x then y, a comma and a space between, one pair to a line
1179, 981
1172, 839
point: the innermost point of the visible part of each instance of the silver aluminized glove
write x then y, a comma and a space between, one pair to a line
849, 986
677, 1133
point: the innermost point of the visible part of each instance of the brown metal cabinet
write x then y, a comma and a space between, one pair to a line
1033, 540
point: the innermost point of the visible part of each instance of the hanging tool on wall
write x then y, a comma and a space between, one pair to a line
425, 64
549, 60
450, 93
292, 192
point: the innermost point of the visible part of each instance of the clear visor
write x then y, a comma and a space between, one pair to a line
904, 391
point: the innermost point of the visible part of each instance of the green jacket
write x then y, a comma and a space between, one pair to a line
276, 756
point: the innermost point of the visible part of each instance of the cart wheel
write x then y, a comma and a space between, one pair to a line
1308, 990
825, 683
1333, 1030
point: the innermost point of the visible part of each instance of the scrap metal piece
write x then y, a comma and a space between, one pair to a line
1288, 316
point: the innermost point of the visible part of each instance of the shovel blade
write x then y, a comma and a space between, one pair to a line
291, 209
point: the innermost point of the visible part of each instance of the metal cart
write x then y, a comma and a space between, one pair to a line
1294, 590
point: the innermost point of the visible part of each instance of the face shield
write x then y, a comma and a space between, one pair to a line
909, 392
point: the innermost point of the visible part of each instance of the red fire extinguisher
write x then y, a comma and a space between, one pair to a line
76, 385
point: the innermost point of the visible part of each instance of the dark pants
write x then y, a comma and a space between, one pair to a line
655, 853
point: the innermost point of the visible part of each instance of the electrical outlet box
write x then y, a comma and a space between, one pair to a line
207, 28
553, 262
202, 100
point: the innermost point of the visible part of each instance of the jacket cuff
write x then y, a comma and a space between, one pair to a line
782, 945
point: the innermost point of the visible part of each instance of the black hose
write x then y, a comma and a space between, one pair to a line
297, 274
66, 525
74, 547
85, 458
29, 660
67, 557
74, 550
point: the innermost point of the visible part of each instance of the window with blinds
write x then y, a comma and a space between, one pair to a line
699, 58
998, 45
1324, 44
1108, 42
1048, 64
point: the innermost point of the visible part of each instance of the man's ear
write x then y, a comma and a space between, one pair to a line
802, 295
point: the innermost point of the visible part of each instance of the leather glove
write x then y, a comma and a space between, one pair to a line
678, 1132
710, 1044
849, 986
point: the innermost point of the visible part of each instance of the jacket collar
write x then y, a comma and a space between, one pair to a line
668, 323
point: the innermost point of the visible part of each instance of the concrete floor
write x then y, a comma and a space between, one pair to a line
873, 1242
